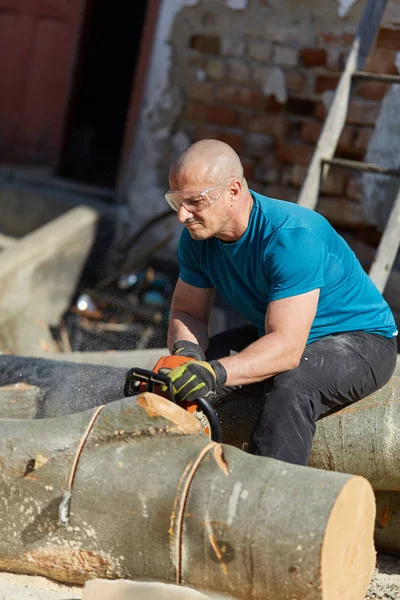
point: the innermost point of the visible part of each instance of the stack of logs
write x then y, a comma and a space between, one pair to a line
136, 491
364, 439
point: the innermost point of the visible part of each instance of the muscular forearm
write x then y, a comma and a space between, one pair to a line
262, 359
183, 326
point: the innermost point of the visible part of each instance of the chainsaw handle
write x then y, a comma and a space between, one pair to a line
136, 376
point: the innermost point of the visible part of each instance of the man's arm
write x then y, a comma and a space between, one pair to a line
190, 311
287, 324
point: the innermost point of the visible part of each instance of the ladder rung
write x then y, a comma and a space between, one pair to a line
356, 165
364, 75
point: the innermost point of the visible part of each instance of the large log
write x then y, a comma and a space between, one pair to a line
154, 499
387, 525
363, 439
57, 388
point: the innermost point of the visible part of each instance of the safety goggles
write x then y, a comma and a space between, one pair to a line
197, 201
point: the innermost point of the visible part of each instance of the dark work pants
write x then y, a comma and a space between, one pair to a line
333, 372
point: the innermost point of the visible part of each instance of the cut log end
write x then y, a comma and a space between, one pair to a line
348, 555
156, 406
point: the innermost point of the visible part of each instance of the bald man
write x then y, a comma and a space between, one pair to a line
320, 334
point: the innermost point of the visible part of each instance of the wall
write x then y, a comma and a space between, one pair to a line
259, 75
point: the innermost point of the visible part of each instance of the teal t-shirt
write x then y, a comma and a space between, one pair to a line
285, 251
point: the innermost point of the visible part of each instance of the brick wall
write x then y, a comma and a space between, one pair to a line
227, 97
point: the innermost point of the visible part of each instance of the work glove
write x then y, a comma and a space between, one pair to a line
189, 349
196, 379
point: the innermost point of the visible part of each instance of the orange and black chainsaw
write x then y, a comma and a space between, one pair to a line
142, 380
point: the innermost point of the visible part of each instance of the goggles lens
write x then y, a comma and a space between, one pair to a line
192, 201
196, 201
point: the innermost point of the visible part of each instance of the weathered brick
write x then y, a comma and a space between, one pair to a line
345, 39
388, 38
311, 131
294, 153
326, 102
206, 44
342, 212
314, 57
296, 81
335, 59
321, 110
271, 104
204, 132
248, 168
256, 186
372, 90
240, 96
260, 74
200, 90
268, 170
260, 51
326, 82
363, 137
298, 105
354, 188
239, 71
363, 113
258, 145
235, 140
298, 175
381, 60
275, 125
196, 63
281, 192
212, 114
215, 69
285, 56
233, 47
286, 174
335, 182
295, 127
346, 137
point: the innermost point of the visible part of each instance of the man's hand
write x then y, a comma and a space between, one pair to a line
189, 349
195, 379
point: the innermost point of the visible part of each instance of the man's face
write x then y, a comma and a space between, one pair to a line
205, 210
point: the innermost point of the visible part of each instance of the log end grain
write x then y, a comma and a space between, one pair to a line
348, 555
156, 406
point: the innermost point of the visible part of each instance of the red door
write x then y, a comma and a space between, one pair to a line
38, 40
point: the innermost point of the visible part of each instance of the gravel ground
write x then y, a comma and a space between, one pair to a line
385, 585
29, 587
386, 579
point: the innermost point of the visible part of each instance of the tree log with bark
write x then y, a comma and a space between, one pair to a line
363, 439
133, 490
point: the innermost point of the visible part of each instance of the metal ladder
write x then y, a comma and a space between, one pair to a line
323, 159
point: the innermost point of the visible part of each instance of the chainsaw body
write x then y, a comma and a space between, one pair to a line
156, 381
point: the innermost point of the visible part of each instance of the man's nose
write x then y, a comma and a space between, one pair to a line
184, 214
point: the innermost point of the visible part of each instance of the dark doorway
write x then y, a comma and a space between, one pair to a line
106, 66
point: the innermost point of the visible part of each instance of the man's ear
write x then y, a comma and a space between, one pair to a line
236, 189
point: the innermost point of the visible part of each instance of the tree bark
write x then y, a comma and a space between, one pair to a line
363, 439
153, 499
